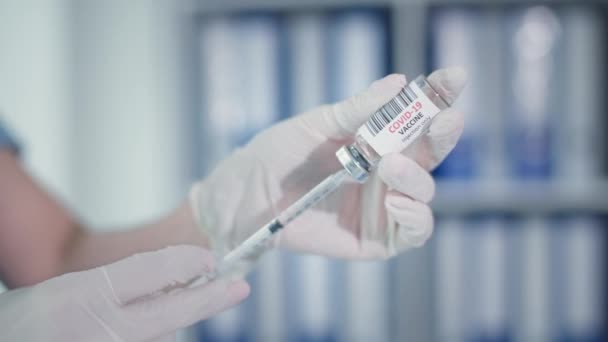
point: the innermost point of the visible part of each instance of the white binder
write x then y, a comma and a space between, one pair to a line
259, 58
580, 155
471, 253
313, 319
240, 79
448, 243
220, 122
534, 306
358, 57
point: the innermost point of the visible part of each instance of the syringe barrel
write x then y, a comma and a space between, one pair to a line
258, 242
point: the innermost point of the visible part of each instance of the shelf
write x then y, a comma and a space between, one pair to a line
210, 6
522, 198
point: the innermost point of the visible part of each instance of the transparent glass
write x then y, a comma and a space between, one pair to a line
360, 146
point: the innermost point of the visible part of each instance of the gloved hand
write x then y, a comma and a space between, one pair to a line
378, 219
136, 299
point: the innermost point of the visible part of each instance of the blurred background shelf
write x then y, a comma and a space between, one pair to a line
207, 6
520, 198
517, 253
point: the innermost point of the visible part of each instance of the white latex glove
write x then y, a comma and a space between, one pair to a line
136, 299
378, 219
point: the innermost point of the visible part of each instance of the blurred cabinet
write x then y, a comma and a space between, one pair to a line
519, 249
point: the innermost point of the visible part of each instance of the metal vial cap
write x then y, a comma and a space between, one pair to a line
353, 163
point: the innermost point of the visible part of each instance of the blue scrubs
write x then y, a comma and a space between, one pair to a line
7, 140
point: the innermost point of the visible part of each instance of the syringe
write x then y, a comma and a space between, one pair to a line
390, 129
259, 239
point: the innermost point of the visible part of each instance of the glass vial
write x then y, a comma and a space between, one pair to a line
393, 127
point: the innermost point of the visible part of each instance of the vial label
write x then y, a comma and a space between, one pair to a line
399, 122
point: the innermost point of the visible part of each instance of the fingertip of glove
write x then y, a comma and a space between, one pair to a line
449, 82
238, 290
381, 91
397, 79
414, 221
389, 81
225, 292
416, 234
455, 78
414, 241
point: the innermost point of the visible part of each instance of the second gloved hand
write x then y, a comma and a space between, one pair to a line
378, 219
140, 298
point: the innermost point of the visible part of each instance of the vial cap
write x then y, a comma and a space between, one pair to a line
352, 164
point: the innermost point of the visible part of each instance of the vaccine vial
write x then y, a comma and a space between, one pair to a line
393, 127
